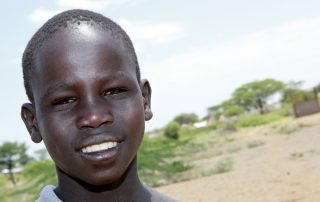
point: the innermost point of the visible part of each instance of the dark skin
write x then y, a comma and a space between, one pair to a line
86, 94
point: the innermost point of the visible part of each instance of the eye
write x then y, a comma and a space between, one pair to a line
63, 101
114, 92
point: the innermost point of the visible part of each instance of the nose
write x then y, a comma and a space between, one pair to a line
94, 114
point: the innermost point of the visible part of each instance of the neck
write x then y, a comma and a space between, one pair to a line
127, 188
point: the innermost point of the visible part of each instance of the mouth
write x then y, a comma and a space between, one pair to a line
101, 147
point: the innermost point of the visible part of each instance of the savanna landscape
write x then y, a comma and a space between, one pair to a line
248, 150
278, 162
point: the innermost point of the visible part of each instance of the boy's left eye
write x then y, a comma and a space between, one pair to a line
114, 91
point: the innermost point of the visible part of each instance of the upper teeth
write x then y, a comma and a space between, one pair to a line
99, 147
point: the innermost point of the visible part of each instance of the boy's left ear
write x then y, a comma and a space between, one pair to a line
146, 94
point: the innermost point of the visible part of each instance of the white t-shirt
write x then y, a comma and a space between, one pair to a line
47, 195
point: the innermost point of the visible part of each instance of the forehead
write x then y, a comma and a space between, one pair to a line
81, 55
84, 40
82, 44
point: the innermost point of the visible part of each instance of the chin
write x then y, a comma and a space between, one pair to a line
114, 178
102, 184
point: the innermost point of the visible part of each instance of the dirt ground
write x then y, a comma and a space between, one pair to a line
286, 168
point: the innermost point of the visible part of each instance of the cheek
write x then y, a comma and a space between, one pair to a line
133, 117
56, 135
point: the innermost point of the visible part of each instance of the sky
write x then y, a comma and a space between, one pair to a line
194, 53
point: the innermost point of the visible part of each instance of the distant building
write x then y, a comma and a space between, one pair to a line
14, 170
200, 124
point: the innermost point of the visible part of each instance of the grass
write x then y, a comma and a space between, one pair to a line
162, 160
296, 155
221, 128
254, 143
262, 119
33, 178
257, 120
288, 129
233, 149
228, 139
224, 165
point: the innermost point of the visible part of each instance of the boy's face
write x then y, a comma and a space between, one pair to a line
89, 108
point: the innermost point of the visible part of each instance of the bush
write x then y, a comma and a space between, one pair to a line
287, 130
255, 143
186, 118
296, 156
233, 110
187, 131
3, 180
35, 169
177, 166
172, 130
224, 165
285, 110
256, 120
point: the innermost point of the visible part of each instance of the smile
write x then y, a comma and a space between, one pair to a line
99, 147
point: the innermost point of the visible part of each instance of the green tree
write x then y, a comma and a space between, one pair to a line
172, 130
227, 109
292, 93
254, 95
11, 155
186, 118
317, 88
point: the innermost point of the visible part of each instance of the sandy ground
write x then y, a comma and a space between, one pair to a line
286, 168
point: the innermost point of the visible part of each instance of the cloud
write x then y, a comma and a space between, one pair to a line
84, 4
153, 32
40, 15
194, 80
286, 45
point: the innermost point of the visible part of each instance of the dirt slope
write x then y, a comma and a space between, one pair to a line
286, 168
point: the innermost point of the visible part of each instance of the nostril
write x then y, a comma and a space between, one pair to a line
94, 120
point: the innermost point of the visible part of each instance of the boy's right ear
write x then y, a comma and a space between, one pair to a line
29, 118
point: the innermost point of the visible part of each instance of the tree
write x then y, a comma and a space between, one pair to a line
12, 154
317, 88
227, 109
292, 93
186, 118
254, 95
172, 130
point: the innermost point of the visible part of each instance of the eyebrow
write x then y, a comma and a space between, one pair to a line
107, 79
116, 76
55, 87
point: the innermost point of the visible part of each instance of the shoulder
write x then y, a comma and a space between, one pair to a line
47, 195
158, 197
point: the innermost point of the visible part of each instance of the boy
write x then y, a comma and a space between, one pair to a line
88, 105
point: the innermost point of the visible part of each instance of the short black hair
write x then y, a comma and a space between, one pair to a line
62, 21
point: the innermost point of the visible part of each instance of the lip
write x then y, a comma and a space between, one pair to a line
97, 139
105, 155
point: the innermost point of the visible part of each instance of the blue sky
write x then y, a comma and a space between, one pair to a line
194, 53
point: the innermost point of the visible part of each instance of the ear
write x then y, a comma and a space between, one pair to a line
29, 118
146, 94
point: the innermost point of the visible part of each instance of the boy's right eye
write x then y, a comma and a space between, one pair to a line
63, 101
